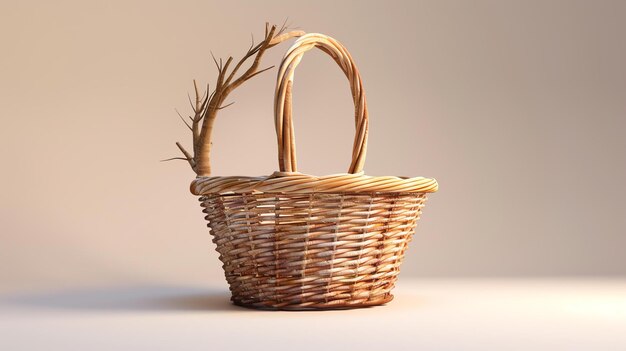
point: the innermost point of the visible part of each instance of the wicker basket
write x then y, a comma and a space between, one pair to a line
296, 241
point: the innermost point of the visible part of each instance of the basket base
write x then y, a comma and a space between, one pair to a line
311, 307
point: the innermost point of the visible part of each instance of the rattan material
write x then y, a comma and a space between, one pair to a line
296, 251
296, 241
283, 182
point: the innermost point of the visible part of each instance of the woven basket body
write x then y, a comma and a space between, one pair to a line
295, 241
312, 250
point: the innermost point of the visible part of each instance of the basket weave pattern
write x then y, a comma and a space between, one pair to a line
312, 250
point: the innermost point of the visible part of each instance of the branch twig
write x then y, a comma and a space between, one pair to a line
208, 104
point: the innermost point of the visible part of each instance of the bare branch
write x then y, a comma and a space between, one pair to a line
225, 106
284, 26
195, 87
259, 72
251, 51
200, 110
205, 106
191, 103
174, 158
220, 78
215, 60
208, 103
188, 156
182, 119
285, 36
264, 44
205, 99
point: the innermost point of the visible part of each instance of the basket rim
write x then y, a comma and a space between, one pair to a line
296, 182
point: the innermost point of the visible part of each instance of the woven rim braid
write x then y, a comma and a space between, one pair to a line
281, 182
296, 241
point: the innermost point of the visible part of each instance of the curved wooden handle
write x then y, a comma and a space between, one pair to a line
282, 99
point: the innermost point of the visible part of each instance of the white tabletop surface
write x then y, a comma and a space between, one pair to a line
427, 314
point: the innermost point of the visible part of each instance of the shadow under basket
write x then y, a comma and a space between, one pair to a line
312, 251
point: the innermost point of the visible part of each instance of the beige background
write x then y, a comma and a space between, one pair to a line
517, 108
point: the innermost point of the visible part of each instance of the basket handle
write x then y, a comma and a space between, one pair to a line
282, 99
